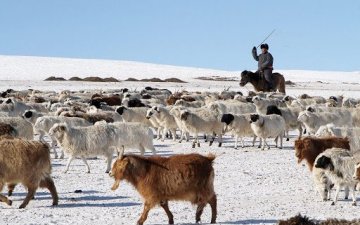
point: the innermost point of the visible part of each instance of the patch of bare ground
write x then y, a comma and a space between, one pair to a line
218, 78
52, 78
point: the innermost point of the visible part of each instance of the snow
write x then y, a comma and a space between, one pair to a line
253, 186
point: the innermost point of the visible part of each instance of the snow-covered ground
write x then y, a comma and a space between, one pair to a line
253, 186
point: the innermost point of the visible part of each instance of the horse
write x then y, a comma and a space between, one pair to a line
259, 83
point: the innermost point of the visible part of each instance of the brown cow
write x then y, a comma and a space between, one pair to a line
309, 148
158, 179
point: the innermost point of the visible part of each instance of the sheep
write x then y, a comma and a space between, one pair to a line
308, 149
23, 127
131, 135
290, 116
261, 104
268, 126
161, 179
350, 102
85, 142
340, 170
26, 162
164, 119
194, 104
233, 107
7, 129
239, 126
43, 124
17, 107
137, 114
312, 120
202, 121
338, 100
352, 133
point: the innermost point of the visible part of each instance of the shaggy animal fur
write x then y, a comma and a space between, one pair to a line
340, 168
7, 129
303, 220
23, 127
26, 162
85, 141
162, 179
309, 148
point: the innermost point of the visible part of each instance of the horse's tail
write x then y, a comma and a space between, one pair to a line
282, 84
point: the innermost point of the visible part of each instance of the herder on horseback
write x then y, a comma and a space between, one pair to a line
265, 64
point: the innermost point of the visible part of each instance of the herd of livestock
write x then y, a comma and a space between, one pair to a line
87, 124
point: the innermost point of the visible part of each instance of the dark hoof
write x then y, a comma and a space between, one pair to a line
333, 203
22, 206
9, 202
346, 197
9, 193
193, 146
220, 144
287, 139
198, 144
171, 221
210, 143
354, 203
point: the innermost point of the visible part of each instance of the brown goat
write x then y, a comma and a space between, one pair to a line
92, 118
112, 100
172, 99
303, 220
161, 179
7, 129
26, 162
309, 148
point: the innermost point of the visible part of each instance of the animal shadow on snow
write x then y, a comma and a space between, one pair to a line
85, 199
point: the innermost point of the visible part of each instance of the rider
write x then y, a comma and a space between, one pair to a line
265, 64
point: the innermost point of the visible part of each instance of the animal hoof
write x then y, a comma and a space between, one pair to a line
198, 144
346, 197
171, 221
193, 146
220, 144
22, 206
287, 139
260, 147
333, 203
210, 143
354, 203
9, 202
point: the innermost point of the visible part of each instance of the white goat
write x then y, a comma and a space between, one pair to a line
131, 135
43, 124
165, 120
352, 133
312, 120
85, 142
